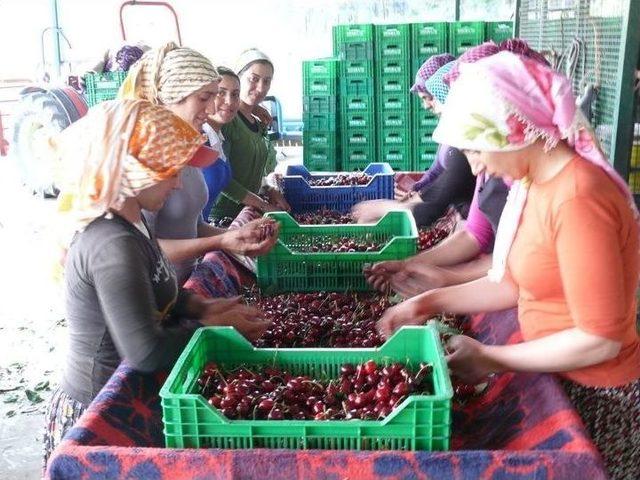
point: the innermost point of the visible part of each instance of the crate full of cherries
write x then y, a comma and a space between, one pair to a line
225, 393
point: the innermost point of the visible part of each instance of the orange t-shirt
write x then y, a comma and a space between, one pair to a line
575, 259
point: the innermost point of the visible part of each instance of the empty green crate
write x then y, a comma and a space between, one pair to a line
421, 117
357, 157
420, 422
356, 86
345, 34
422, 160
393, 66
395, 136
356, 103
394, 84
359, 120
393, 41
499, 31
321, 68
397, 102
319, 105
393, 119
320, 86
464, 35
358, 137
357, 51
100, 87
323, 159
320, 121
286, 269
427, 39
424, 137
398, 156
356, 68
312, 138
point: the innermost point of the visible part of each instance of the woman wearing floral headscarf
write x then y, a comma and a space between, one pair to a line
122, 298
566, 251
185, 82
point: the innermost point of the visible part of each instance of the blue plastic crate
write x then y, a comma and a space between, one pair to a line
303, 197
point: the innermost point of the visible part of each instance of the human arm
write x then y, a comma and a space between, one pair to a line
481, 295
563, 351
431, 174
254, 238
478, 225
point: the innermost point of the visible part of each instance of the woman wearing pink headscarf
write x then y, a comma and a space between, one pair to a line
566, 251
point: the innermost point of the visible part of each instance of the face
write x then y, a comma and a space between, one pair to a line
198, 106
508, 165
255, 83
153, 197
428, 102
227, 100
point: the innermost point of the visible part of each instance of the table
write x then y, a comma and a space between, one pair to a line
523, 427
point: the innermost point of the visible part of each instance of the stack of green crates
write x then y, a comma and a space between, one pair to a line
499, 31
321, 133
354, 45
427, 39
393, 108
464, 35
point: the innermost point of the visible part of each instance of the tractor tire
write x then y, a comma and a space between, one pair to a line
42, 114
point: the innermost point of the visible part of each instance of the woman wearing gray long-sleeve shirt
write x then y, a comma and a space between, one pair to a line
122, 297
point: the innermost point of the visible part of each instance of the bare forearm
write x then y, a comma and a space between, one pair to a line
181, 250
458, 248
206, 230
477, 296
559, 352
466, 272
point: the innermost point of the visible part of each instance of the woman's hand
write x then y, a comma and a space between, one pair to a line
371, 211
379, 274
252, 239
405, 313
467, 359
231, 312
415, 279
277, 199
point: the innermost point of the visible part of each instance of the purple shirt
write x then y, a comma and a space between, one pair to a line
434, 170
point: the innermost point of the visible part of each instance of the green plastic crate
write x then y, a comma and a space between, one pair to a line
321, 68
100, 87
320, 86
392, 119
285, 270
346, 34
322, 159
357, 103
396, 102
356, 68
357, 157
394, 84
393, 41
358, 119
422, 160
314, 138
357, 51
356, 86
358, 137
499, 31
398, 156
464, 35
319, 104
320, 121
427, 39
421, 117
424, 151
420, 422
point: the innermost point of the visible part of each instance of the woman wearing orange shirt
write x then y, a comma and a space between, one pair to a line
566, 251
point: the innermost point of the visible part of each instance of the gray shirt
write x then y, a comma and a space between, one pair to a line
181, 214
119, 287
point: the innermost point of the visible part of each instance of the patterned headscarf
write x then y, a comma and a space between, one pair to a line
115, 151
472, 55
435, 84
506, 102
428, 68
168, 74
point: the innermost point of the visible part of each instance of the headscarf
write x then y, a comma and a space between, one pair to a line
115, 151
250, 56
472, 55
521, 47
506, 102
167, 75
428, 68
435, 84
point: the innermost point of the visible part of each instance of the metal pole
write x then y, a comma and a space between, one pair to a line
516, 19
55, 30
457, 10
622, 135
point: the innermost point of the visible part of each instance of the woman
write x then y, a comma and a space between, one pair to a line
122, 298
225, 107
453, 186
566, 251
185, 82
249, 151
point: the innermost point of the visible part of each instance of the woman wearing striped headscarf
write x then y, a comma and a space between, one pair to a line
122, 298
566, 251
185, 82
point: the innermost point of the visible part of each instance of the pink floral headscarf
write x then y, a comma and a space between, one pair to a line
506, 102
